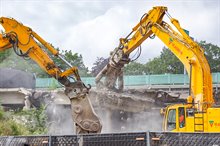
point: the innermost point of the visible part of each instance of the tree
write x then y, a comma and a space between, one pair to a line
212, 53
99, 64
170, 63
167, 62
134, 68
154, 66
75, 60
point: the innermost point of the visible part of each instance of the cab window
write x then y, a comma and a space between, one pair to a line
171, 120
181, 117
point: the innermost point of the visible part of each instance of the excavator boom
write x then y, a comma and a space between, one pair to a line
188, 51
27, 43
120, 56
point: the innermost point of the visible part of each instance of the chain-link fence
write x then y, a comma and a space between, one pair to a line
184, 139
72, 140
24, 141
117, 139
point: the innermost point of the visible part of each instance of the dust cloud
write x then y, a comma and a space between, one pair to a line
120, 121
130, 111
59, 120
113, 121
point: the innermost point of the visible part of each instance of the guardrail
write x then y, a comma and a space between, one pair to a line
117, 139
138, 80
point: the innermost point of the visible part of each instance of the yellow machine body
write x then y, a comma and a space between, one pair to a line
193, 121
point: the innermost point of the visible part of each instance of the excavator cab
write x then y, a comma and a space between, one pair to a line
175, 118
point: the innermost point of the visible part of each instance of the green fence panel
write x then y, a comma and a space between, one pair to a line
159, 79
89, 80
47, 83
138, 80
135, 80
216, 78
176, 79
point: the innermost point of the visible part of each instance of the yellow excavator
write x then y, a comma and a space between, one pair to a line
27, 43
199, 113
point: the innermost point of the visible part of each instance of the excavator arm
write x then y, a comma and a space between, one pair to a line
194, 60
27, 43
188, 52
113, 71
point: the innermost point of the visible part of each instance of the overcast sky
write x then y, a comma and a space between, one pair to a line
93, 27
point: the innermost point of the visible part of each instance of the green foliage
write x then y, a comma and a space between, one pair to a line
99, 64
155, 66
212, 53
167, 62
35, 120
134, 68
4, 54
8, 126
1, 113
26, 122
74, 59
